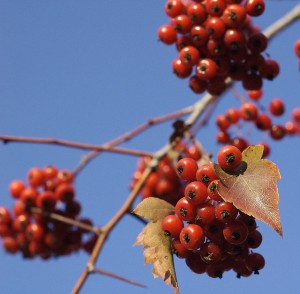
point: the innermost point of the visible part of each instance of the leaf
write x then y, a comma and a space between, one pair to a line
154, 208
253, 188
157, 251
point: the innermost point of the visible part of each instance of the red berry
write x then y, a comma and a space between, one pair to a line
185, 210
206, 69
35, 232
276, 107
65, 192
192, 236
206, 174
189, 55
297, 48
35, 177
205, 214
235, 232
225, 212
255, 262
182, 24
255, 94
248, 111
174, 8
15, 188
5, 217
277, 132
167, 34
229, 157
181, 69
213, 192
172, 225
263, 121
255, 7
186, 169
211, 252
197, 13
178, 249
195, 192
234, 15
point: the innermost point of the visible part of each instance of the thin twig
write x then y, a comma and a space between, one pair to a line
112, 275
129, 135
8, 139
66, 220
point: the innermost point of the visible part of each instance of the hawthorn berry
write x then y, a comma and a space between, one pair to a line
186, 169
192, 236
172, 225
229, 157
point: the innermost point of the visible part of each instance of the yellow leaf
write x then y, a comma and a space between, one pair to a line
157, 251
154, 208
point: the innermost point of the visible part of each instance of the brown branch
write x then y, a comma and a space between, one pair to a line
8, 139
112, 275
66, 220
129, 135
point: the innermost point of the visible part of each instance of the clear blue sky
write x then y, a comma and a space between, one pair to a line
89, 71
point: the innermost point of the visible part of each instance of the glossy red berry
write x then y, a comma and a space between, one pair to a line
172, 225
234, 15
15, 188
211, 252
235, 232
215, 27
5, 216
195, 192
205, 214
35, 177
212, 190
248, 111
276, 107
65, 192
181, 70
182, 24
178, 249
185, 210
186, 169
189, 55
35, 232
174, 8
229, 157
255, 262
277, 132
255, 7
206, 69
167, 34
297, 48
263, 121
192, 236
197, 13
225, 211
215, 7
206, 174
255, 95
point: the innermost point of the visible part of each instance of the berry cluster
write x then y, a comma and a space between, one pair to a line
29, 227
212, 235
251, 112
163, 182
216, 40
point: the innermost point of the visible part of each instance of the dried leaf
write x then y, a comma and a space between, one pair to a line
157, 251
253, 188
154, 208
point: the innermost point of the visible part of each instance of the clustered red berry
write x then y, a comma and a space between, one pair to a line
216, 40
250, 112
212, 235
32, 233
163, 182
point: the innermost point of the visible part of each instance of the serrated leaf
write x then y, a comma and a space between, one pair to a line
253, 187
157, 251
154, 208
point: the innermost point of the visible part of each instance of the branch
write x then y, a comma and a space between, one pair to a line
198, 109
8, 139
129, 135
66, 220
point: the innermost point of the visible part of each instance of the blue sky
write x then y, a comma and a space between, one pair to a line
89, 71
